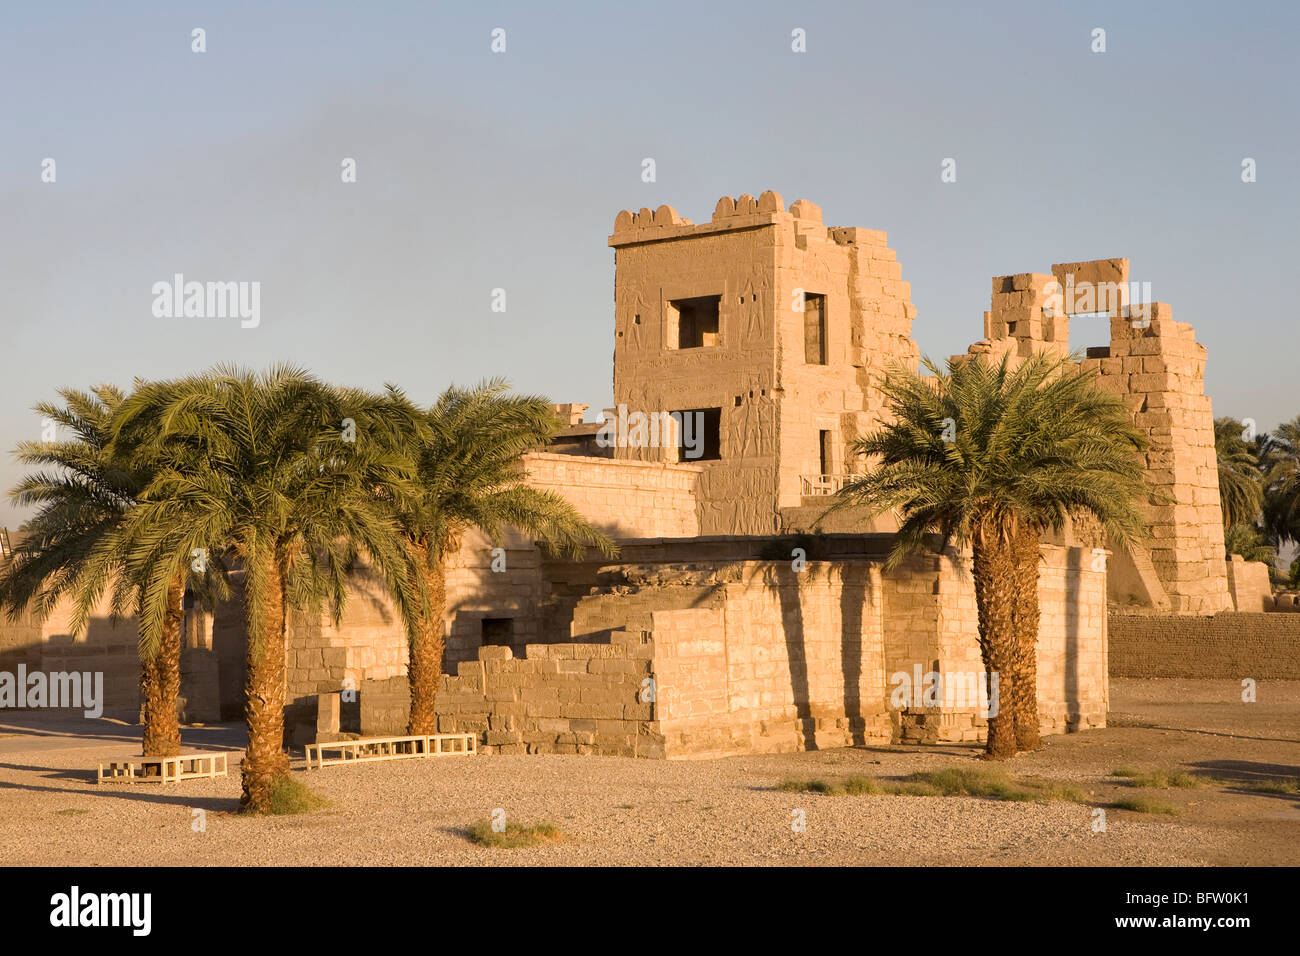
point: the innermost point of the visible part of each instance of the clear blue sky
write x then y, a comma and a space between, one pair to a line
478, 171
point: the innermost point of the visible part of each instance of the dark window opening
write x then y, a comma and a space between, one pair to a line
697, 322
498, 631
824, 443
699, 434
814, 329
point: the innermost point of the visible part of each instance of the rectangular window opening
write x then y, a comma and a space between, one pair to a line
498, 631
699, 434
814, 329
694, 322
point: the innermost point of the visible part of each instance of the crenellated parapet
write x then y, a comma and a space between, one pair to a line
740, 212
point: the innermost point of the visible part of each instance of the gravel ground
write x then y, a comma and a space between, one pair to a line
620, 811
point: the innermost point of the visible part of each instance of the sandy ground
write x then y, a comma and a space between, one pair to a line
619, 811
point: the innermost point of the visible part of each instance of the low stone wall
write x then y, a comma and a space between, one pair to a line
1248, 584
560, 698
1231, 645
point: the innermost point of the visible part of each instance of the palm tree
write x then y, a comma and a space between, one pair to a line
74, 548
1246, 540
1241, 491
1280, 459
469, 474
993, 457
291, 479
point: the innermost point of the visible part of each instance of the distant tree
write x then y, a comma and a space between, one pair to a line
993, 456
1280, 459
1247, 541
1241, 488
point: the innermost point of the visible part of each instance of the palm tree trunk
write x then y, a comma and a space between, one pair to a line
264, 691
425, 670
160, 681
995, 598
1026, 625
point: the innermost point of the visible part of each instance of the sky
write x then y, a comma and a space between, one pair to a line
479, 170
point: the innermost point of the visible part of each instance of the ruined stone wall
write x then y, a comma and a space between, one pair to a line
1249, 585
776, 395
561, 698
1229, 645
868, 314
1160, 368
661, 258
1157, 365
621, 497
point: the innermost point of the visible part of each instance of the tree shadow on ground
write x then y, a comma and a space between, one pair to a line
1239, 776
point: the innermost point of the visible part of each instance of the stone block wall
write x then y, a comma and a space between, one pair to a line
661, 258
1158, 367
868, 326
1249, 585
932, 623
1229, 645
560, 698
763, 262
775, 661
624, 498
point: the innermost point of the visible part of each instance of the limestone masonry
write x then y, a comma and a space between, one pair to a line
762, 336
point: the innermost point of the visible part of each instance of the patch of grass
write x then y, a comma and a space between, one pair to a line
514, 835
972, 782
70, 811
1055, 790
626, 806
1145, 805
850, 786
289, 796
1162, 779
953, 782
913, 788
859, 786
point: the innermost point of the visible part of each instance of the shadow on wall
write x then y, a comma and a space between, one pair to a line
1073, 619
851, 603
796, 651
107, 648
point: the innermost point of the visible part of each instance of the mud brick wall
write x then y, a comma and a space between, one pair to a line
1231, 645
560, 698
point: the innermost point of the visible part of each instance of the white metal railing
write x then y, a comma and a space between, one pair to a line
823, 484
365, 749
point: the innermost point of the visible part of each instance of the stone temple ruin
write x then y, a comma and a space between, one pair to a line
767, 332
